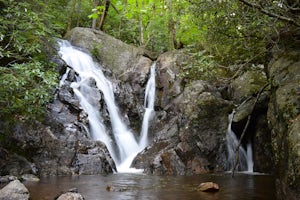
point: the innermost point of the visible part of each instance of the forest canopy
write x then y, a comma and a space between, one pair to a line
216, 33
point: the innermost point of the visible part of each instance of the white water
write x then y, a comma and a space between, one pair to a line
249, 158
126, 145
245, 162
149, 107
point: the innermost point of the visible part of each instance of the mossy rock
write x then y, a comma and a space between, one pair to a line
248, 84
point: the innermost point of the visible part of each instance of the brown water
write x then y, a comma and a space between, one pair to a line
140, 186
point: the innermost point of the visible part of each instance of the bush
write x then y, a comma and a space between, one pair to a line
26, 89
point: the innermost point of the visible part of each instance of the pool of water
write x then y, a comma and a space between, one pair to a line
140, 186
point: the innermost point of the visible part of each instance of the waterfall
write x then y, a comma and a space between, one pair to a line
249, 158
245, 162
149, 107
122, 146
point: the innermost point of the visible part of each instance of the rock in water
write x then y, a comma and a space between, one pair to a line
15, 190
30, 177
70, 196
208, 187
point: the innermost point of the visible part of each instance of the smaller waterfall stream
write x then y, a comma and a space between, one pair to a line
149, 107
88, 73
245, 162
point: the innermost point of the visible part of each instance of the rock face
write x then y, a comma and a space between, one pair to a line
62, 149
284, 120
190, 126
15, 190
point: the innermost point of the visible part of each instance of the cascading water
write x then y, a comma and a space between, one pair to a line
88, 71
245, 162
149, 107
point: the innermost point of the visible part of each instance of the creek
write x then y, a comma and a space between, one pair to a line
140, 186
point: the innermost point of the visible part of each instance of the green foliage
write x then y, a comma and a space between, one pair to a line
26, 88
201, 66
25, 77
234, 32
153, 18
21, 31
96, 12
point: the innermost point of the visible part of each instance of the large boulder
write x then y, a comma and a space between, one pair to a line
114, 54
60, 153
191, 136
15, 190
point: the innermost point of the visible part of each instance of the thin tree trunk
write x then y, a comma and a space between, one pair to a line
69, 24
104, 14
141, 27
171, 26
78, 12
94, 21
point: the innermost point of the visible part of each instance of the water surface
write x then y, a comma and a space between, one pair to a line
141, 186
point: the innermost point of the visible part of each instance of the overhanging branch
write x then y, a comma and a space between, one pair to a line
270, 14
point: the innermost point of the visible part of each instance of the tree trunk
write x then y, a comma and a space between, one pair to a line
69, 24
172, 27
104, 14
95, 10
78, 13
141, 27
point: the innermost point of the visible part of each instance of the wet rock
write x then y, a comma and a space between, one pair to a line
94, 159
66, 96
70, 196
58, 150
15, 190
110, 188
30, 177
7, 178
208, 187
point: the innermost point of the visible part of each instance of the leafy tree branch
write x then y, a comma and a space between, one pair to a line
271, 14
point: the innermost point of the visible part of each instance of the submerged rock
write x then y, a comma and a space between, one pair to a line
208, 187
70, 196
29, 177
15, 190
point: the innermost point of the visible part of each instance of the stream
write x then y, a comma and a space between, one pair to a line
140, 186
